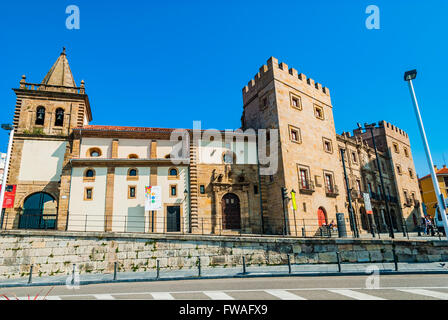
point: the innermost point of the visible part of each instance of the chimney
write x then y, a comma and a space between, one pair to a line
435, 167
444, 166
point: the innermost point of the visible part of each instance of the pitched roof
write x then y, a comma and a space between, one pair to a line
60, 73
438, 172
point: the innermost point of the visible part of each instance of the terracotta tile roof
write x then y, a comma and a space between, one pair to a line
440, 171
122, 128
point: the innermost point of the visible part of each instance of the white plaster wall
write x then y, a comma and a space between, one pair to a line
87, 214
211, 152
129, 214
142, 148
42, 160
164, 147
181, 199
104, 144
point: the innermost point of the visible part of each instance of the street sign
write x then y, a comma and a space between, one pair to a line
367, 203
153, 198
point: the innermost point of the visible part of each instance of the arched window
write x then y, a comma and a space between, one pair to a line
89, 173
173, 173
39, 212
133, 156
94, 152
59, 120
132, 174
40, 115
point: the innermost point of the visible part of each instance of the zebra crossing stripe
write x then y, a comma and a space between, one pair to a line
284, 295
162, 296
103, 297
428, 293
218, 295
355, 295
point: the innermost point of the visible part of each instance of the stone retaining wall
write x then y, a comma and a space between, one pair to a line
55, 252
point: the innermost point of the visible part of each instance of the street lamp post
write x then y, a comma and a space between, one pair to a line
409, 76
10, 128
383, 189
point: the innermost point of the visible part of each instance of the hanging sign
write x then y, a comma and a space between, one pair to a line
153, 198
367, 203
10, 194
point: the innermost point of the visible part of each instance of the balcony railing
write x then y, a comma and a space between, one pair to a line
332, 191
306, 186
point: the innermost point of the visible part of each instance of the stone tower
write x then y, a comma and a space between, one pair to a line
300, 108
396, 144
44, 117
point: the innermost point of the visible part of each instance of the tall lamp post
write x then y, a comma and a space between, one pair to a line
383, 189
9, 128
409, 76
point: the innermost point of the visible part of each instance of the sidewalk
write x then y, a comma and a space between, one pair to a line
234, 272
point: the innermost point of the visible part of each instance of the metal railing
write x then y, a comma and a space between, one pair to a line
124, 222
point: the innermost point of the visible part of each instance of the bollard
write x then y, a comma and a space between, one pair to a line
115, 270
339, 260
395, 258
30, 279
289, 263
321, 232
303, 232
158, 269
244, 265
199, 266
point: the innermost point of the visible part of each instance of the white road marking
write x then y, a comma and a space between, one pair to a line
284, 295
218, 295
103, 297
429, 293
162, 296
355, 295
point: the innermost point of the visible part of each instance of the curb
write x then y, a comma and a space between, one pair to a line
238, 275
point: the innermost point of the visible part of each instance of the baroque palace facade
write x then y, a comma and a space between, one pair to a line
70, 175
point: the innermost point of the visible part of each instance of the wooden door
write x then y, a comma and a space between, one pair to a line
231, 215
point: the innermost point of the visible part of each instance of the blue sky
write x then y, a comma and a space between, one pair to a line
165, 64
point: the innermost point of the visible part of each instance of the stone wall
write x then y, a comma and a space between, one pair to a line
55, 252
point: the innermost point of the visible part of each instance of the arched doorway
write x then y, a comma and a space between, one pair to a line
364, 219
231, 214
39, 212
321, 216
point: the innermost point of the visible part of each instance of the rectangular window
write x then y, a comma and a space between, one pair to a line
296, 102
406, 153
319, 112
411, 174
173, 190
369, 187
396, 148
255, 189
398, 169
328, 147
304, 183
358, 184
202, 189
329, 182
354, 159
294, 134
88, 194
132, 192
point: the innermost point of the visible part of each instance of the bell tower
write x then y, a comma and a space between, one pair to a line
45, 115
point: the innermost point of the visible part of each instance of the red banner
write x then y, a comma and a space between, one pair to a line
10, 194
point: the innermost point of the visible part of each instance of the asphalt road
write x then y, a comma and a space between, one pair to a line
390, 287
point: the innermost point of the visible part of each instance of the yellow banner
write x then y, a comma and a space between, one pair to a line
293, 197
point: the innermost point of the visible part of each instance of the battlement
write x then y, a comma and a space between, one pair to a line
390, 128
273, 64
